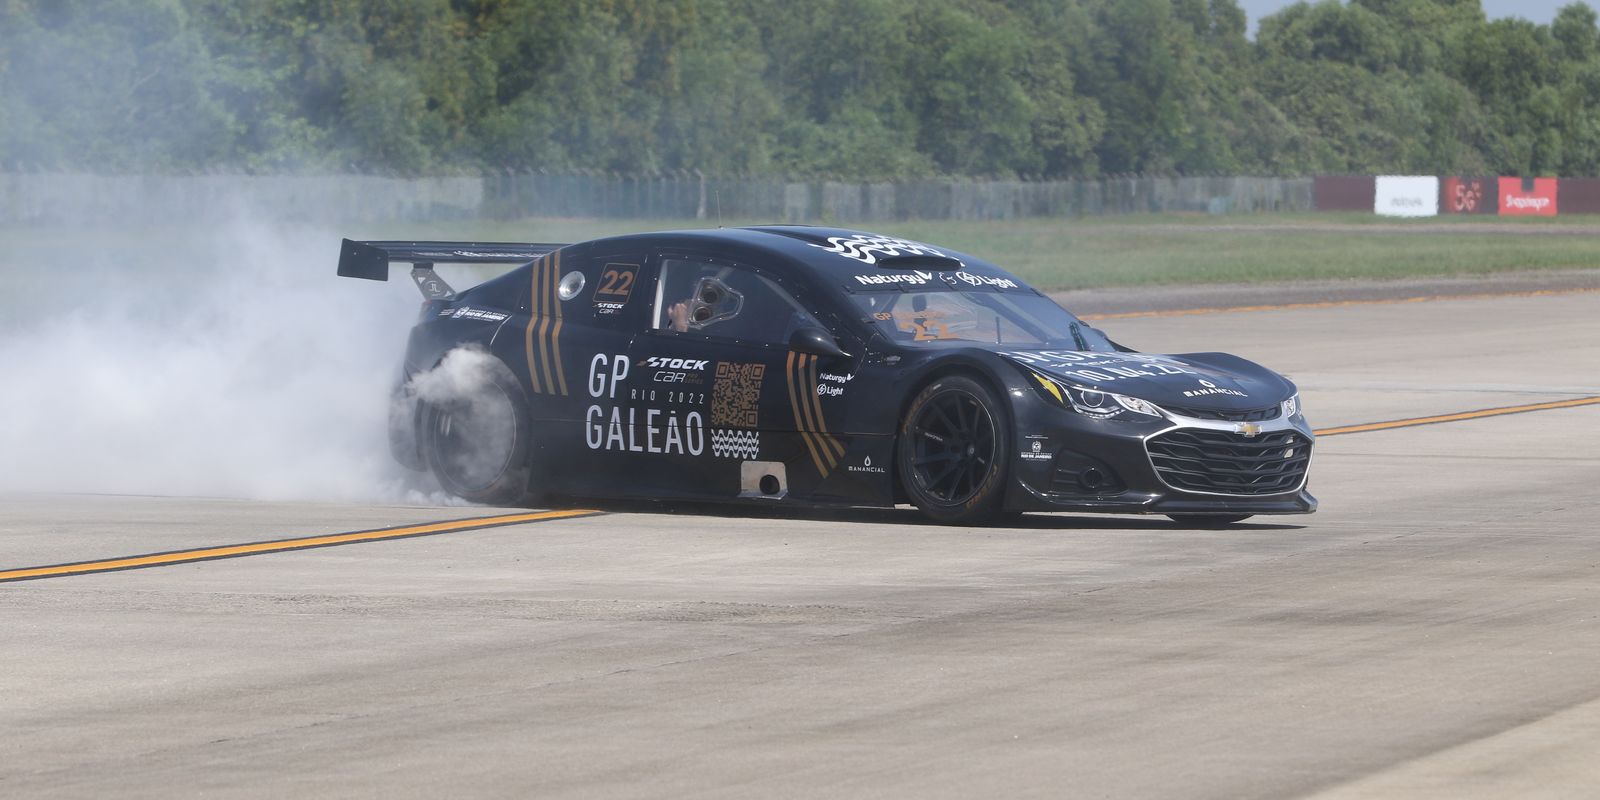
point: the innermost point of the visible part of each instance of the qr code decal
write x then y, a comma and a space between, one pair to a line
736, 395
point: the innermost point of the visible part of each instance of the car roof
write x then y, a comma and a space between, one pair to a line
849, 259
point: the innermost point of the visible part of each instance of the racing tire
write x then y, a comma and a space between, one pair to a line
478, 446
953, 453
1208, 520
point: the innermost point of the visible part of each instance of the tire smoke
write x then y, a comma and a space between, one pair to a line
230, 362
473, 420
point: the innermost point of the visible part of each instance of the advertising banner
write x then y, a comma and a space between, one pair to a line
1528, 197
1469, 196
1579, 195
1406, 196
1341, 193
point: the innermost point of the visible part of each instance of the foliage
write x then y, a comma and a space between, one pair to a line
877, 89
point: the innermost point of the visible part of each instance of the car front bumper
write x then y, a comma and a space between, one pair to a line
1149, 465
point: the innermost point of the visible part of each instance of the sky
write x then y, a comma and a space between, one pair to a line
1541, 11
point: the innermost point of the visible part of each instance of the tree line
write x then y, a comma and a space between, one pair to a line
866, 89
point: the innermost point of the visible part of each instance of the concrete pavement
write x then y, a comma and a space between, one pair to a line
1431, 632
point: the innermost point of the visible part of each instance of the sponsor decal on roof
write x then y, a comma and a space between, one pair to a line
892, 278
868, 249
982, 280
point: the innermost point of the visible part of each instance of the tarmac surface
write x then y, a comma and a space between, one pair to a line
1433, 631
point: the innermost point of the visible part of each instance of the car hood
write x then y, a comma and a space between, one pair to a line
1212, 381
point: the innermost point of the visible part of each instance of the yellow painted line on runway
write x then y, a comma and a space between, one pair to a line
1188, 312
281, 545
1465, 415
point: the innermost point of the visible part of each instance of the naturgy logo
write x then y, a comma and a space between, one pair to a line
913, 278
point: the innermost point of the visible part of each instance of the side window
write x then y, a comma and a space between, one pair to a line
725, 301
953, 315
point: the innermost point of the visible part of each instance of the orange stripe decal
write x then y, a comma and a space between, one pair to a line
830, 444
1186, 312
791, 380
1465, 415
808, 408
555, 303
545, 285
284, 545
533, 320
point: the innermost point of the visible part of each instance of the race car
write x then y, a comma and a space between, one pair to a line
813, 366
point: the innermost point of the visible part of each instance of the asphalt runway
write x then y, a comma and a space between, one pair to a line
1433, 631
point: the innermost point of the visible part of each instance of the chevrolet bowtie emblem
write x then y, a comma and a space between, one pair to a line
1248, 428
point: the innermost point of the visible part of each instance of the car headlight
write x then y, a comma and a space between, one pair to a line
1137, 406
1093, 402
1291, 407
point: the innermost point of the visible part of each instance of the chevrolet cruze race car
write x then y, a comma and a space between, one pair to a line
820, 367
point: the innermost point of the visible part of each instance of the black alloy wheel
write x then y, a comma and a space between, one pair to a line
954, 451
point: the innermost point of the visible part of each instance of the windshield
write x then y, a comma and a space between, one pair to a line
984, 317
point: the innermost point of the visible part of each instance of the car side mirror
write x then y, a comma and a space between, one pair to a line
815, 341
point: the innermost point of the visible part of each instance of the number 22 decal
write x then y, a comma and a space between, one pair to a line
616, 283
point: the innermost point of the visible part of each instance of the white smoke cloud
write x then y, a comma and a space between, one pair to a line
480, 418
229, 362
464, 372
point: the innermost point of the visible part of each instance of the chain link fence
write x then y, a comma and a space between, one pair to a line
76, 198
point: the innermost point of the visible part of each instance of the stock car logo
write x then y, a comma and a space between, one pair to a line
673, 363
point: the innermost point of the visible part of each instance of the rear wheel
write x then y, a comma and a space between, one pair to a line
1208, 520
477, 442
954, 451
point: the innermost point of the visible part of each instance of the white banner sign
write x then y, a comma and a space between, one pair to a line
1407, 196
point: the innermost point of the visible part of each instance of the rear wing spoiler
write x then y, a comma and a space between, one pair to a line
371, 260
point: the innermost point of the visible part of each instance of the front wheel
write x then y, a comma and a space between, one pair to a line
477, 439
954, 451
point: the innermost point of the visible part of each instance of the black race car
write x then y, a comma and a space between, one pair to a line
816, 366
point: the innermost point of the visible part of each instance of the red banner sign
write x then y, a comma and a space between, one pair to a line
1468, 196
1528, 197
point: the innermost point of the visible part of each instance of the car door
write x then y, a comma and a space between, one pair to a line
570, 349
720, 406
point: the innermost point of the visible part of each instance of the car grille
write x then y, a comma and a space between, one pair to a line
1251, 415
1220, 462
